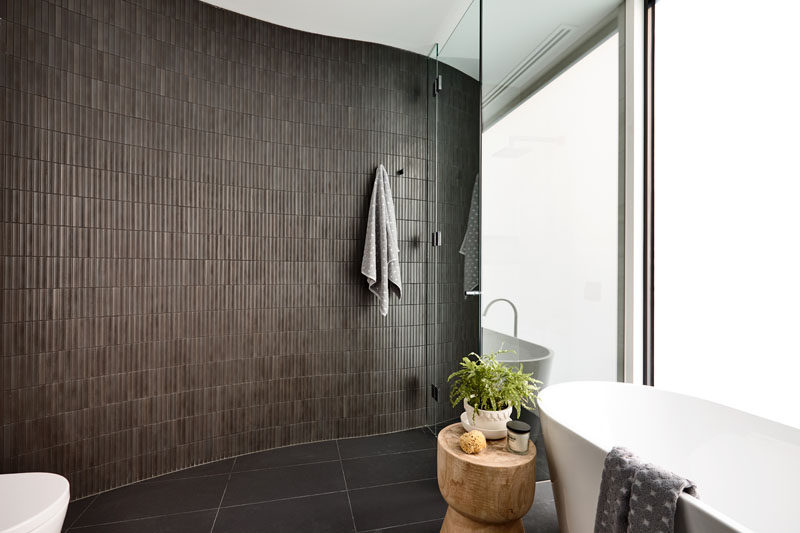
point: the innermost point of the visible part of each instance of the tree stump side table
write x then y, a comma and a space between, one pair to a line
487, 492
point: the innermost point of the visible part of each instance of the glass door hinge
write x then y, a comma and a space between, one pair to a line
437, 85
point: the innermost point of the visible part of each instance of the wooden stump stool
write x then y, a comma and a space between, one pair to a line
487, 492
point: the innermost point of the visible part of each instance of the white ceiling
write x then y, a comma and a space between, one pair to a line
513, 29
408, 24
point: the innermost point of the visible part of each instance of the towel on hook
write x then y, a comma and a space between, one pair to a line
471, 245
636, 497
381, 261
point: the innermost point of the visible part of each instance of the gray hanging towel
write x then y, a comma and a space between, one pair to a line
471, 245
381, 261
636, 497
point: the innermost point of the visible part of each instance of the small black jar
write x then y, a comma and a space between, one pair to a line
519, 433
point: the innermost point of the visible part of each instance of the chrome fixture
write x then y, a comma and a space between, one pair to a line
513, 308
472, 293
437, 85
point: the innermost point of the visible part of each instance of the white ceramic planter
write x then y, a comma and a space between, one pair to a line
489, 422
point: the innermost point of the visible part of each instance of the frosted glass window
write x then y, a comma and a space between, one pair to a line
727, 242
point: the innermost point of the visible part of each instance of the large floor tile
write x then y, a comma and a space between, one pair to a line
392, 505
391, 468
209, 469
76, 509
287, 482
180, 523
327, 513
155, 499
290, 455
402, 441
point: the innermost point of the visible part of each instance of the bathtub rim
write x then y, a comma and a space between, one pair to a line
655, 390
544, 357
686, 501
530, 359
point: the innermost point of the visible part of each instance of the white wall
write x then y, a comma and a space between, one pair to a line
549, 208
728, 203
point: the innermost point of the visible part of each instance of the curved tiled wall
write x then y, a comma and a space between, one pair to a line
183, 198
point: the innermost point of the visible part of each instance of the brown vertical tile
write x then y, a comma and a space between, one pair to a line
182, 224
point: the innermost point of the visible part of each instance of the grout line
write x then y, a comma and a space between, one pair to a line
390, 528
286, 466
347, 491
259, 502
140, 518
409, 430
390, 453
395, 483
153, 481
230, 473
75, 521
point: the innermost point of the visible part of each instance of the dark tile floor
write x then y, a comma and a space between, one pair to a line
378, 483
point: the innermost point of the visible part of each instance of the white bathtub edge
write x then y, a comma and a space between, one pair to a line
686, 520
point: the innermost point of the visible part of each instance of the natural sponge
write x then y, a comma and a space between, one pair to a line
472, 442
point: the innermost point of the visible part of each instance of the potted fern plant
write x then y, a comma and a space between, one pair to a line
490, 390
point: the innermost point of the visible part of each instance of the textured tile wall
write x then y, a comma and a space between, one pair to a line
182, 200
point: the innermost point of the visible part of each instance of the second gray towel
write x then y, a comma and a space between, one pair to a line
636, 497
471, 245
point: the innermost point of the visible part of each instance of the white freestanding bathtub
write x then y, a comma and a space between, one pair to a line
747, 469
535, 359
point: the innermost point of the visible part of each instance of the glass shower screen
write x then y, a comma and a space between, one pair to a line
453, 164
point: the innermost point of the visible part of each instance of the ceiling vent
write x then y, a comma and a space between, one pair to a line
542, 50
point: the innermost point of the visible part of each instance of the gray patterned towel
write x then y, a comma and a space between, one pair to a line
381, 261
636, 497
471, 245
